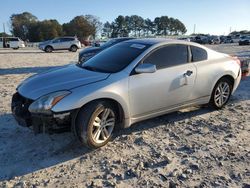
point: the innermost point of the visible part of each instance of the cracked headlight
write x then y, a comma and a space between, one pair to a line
44, 104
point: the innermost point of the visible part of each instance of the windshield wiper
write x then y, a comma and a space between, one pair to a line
89, 68
93, 69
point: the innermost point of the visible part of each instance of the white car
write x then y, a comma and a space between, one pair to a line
129, 82
61, 43
11, 42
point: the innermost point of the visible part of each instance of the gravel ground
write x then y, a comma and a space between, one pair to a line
194, 147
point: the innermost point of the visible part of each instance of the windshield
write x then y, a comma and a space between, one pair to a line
115, 58
108, 43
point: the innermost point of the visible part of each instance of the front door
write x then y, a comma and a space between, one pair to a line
171, 85
57, 45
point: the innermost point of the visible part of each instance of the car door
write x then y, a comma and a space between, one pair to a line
56, 44
170, 86
14, 43
65, 43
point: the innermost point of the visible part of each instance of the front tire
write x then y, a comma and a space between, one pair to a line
73, 48
95, 123
48, 49
221, 93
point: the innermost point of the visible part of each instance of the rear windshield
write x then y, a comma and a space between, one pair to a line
115, 58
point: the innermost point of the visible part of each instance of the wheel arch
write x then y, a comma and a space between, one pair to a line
227, 76
73, 45
49, 46
119, 108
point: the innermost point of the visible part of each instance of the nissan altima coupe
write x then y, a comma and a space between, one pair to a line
127, 83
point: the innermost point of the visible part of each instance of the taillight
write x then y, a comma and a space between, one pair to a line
237, 60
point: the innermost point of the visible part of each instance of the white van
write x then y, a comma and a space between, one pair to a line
11, 42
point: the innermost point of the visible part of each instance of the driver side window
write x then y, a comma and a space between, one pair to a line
167, 56
56, 41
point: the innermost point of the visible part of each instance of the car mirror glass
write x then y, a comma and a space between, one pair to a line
145, 68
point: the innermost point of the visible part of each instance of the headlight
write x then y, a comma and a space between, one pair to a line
45, 103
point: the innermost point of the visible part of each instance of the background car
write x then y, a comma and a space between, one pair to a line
11, 42
61, 43
87, 53
244, 40
124, 84
185, 39
236, 38
201, 39
228, 39
214, 40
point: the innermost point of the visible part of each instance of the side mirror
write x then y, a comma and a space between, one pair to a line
145, 68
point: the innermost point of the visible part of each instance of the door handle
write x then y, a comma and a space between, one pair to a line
188, 73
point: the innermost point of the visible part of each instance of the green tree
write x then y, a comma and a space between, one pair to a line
179, 27
121, 26
149, 27
47, 30
164, 25
95, 22
80, 27
21, 23
107, 29
4, 35
136, 24
172, 25
243, 32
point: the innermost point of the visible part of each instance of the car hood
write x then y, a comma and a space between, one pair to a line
63, 78
90, 50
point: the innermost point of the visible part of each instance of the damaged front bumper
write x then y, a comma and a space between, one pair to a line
40, 123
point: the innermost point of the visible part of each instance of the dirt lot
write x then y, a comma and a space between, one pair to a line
193, 147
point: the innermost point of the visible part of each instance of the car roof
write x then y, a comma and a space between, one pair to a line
125, 38
11, 37
154, 41
120, 39
65, 37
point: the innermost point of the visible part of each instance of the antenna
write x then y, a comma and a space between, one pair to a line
4, 28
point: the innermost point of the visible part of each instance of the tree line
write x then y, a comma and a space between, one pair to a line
136, 26
243, 32
28, 27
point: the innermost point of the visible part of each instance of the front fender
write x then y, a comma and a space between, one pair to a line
115, 90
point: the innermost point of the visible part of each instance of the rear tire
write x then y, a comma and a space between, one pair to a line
94, 124
221, 93
48, 49
73, 48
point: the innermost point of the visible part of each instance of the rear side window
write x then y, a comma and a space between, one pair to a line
168, 56
57, 40
67, 39
13, 39
198, 54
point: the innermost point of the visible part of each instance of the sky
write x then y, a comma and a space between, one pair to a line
209, 16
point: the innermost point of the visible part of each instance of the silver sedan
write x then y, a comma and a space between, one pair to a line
129, 82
